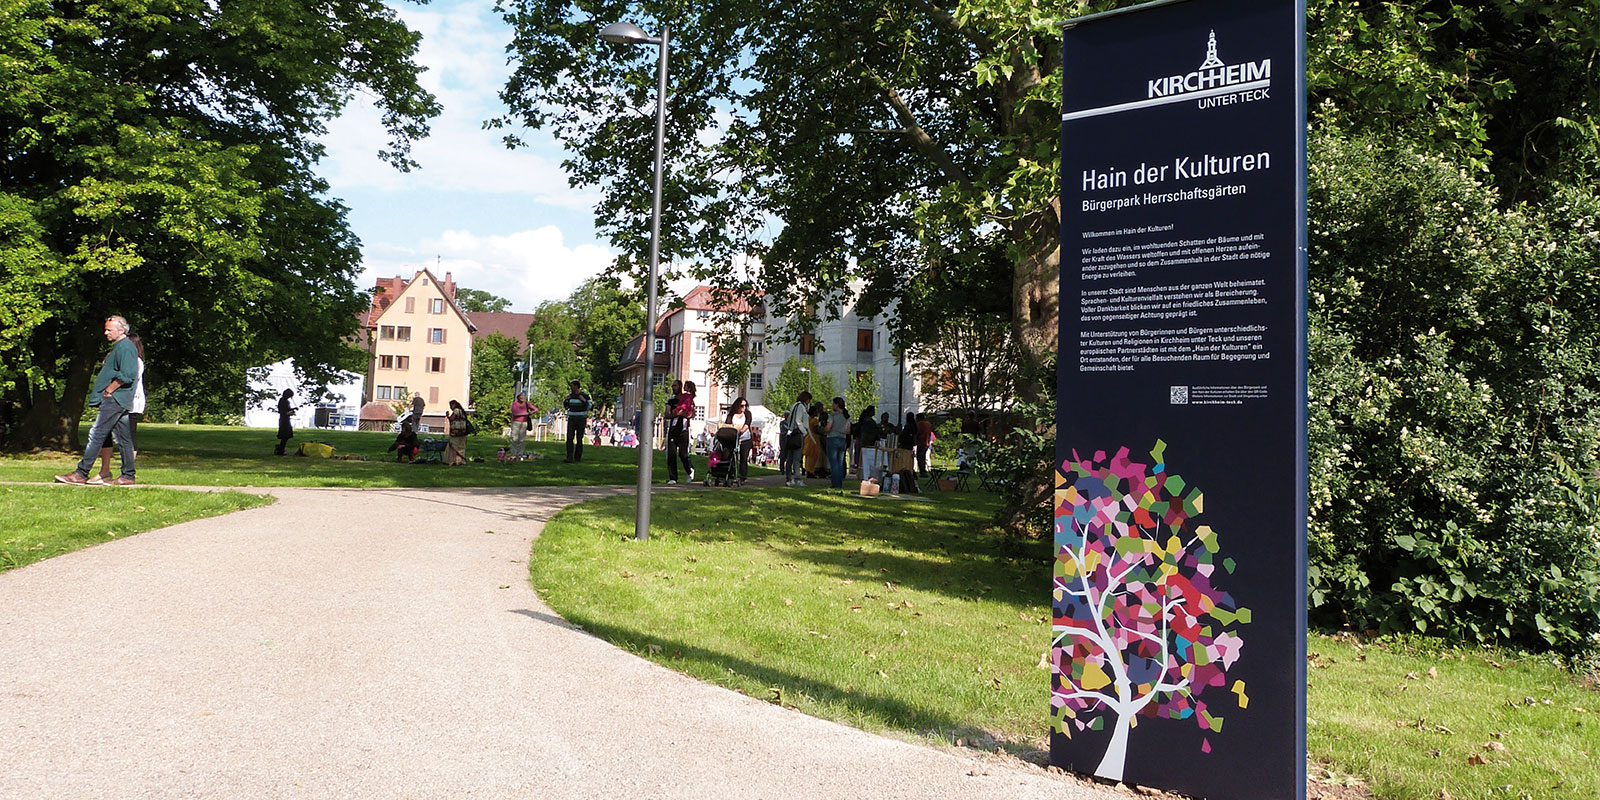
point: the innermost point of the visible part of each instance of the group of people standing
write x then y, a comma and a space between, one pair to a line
118, 395
815, 440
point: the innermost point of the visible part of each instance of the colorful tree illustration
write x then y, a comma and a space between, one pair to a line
1139, 625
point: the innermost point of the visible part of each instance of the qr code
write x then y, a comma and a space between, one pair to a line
1179, 395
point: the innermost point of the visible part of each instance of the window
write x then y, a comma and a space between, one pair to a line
702, 314
403, 333
402, 362
864, 340
411, 305
400, 393
436, 335
700, 343
385, 362
436, 365
656, 379
661, 345
433, 394
755, 381
699, 412
808, 344
758, 347
385, 331
862, 374
384, 393
436, 306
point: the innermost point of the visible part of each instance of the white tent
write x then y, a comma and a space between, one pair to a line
342, 401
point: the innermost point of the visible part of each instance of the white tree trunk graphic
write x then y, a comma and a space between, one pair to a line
1138, 623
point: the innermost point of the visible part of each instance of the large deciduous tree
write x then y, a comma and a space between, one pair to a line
156, 162
909, 146
607, 318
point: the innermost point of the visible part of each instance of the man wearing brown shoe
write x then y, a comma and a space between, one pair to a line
113, 394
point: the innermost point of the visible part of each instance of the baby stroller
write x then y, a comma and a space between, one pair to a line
724, 453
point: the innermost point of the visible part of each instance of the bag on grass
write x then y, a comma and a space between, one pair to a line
908, 481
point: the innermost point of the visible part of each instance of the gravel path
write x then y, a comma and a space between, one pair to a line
387, 644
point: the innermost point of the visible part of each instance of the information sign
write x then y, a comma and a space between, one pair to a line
1179, 586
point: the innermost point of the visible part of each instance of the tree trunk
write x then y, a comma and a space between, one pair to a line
48, 420
1036, 292
1036, 283
1111, 765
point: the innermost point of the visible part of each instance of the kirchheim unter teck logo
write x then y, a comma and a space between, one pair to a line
1213, 83
1213, 75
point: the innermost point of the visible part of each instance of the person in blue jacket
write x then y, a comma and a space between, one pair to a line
113, 394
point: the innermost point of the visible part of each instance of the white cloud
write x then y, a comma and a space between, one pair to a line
527, 267
463, 47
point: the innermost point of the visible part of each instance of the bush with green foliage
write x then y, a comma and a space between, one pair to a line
1454, 401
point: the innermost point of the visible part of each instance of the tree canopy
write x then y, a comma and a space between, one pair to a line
481, 302
157, 163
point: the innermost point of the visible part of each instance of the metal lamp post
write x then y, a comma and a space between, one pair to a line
629, 33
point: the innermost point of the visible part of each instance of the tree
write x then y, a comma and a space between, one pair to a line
896, 143
477, 301
493, 380
862, 391
607, 318
158, 162
970, 363
552, 341
1506, 89
796, 375
1140, 626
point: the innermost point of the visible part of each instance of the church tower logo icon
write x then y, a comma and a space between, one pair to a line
1211, 53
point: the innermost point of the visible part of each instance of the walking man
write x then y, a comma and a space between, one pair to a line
577, 405
113, 394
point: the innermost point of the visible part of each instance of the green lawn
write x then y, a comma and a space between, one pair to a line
45, 521
1420, 721
886, 613
902, 615
200, 455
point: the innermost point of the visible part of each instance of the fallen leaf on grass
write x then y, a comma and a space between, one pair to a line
1044, 660
1477, 760
1433, 672
1496, 746
788, 602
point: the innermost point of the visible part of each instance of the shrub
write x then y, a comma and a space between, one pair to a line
1454, 406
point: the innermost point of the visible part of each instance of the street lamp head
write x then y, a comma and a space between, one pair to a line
626, 33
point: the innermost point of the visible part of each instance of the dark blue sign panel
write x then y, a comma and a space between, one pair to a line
1179, 588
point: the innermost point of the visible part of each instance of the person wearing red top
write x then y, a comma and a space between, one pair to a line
521, 413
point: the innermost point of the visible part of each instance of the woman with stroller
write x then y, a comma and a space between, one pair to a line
739, 417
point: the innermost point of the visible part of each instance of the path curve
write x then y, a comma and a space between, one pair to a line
347, 643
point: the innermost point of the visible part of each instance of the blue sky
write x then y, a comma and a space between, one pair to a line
502, 221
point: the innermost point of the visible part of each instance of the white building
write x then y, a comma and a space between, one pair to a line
842, 348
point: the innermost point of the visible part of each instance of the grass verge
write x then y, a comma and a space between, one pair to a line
901, 615
1419, 720
891, 614
202, 455
46, 521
